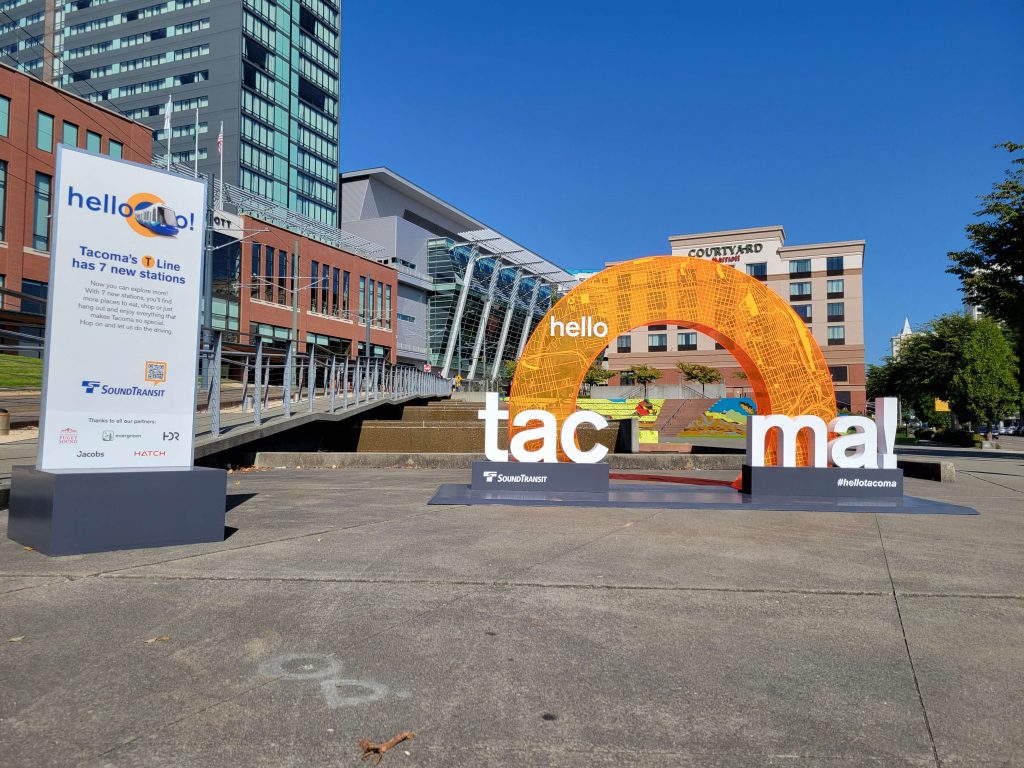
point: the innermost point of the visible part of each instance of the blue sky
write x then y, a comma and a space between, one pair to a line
591, 131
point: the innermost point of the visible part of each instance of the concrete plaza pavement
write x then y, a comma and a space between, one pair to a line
344, 607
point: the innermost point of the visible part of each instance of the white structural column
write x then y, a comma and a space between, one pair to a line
511, 310
460, 308
529, 318
481, 329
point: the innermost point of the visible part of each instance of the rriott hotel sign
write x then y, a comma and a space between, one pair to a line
726, 254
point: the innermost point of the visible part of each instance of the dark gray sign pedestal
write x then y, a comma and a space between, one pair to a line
823, 483
70, 512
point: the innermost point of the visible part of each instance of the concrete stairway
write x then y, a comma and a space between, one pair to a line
449, 427
677, 415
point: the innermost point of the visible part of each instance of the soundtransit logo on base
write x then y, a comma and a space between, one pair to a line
491, 476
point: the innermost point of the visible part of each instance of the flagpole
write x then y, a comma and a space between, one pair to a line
167, 128
220, 151
195, 168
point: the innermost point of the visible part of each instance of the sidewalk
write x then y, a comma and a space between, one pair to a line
345, 608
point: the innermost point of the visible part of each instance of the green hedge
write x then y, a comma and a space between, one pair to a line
961, 438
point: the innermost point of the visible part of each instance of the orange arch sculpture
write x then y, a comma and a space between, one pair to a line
773, 346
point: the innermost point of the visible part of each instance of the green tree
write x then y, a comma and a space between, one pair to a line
644, 374
953, 356
596, 375
984, 387
991, 270
702, 374
508, 369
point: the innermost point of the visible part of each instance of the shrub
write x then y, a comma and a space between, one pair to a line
959, 438
925, 434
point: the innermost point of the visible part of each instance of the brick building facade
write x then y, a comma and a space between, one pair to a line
34, 119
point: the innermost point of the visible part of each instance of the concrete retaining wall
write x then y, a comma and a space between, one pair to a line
451, 437
616, 461
923, 469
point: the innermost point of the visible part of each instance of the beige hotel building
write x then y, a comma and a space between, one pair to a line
822, 283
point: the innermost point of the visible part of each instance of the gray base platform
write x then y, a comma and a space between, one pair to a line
658, 496
70, 512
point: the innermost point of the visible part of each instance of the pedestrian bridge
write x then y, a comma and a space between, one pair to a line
255, 396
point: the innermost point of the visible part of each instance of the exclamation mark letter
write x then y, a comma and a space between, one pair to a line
885, 421
192, 221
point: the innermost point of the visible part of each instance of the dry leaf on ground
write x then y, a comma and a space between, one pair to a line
369, 748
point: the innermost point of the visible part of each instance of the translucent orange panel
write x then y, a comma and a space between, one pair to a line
783, 363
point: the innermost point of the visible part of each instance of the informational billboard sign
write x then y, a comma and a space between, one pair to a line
119, 382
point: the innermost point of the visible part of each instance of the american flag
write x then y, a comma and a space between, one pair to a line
220, 140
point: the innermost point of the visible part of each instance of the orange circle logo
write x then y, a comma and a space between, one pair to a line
782, 361
148, 261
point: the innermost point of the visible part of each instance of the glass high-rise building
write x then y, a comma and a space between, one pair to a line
269, 69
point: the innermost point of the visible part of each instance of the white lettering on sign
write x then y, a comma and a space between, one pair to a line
585, 327
861, 442
546, 432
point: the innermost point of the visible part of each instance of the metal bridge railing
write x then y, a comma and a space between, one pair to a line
245, 383
257, 378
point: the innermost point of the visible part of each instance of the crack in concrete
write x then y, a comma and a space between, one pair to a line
906, 644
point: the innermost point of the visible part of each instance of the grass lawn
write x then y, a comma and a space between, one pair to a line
20, 372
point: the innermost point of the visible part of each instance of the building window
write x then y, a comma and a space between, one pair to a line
844, 401
3, 200
758, 271
839, 372
719, 346
268, 278
835, 289
314, 286
834, 265
379, 306
686, 341
387, 306
34, 288
657, 342
836, 312
804, 311
325, 296
115, 149
282, 276
800, 268
657, 327
406, 318
362, 299
836, 335
627, 378
335, 279
624, 344
44, 131
254, 288
92, 142
41, 213
5, 115
800, 291
345, 280
70, 134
